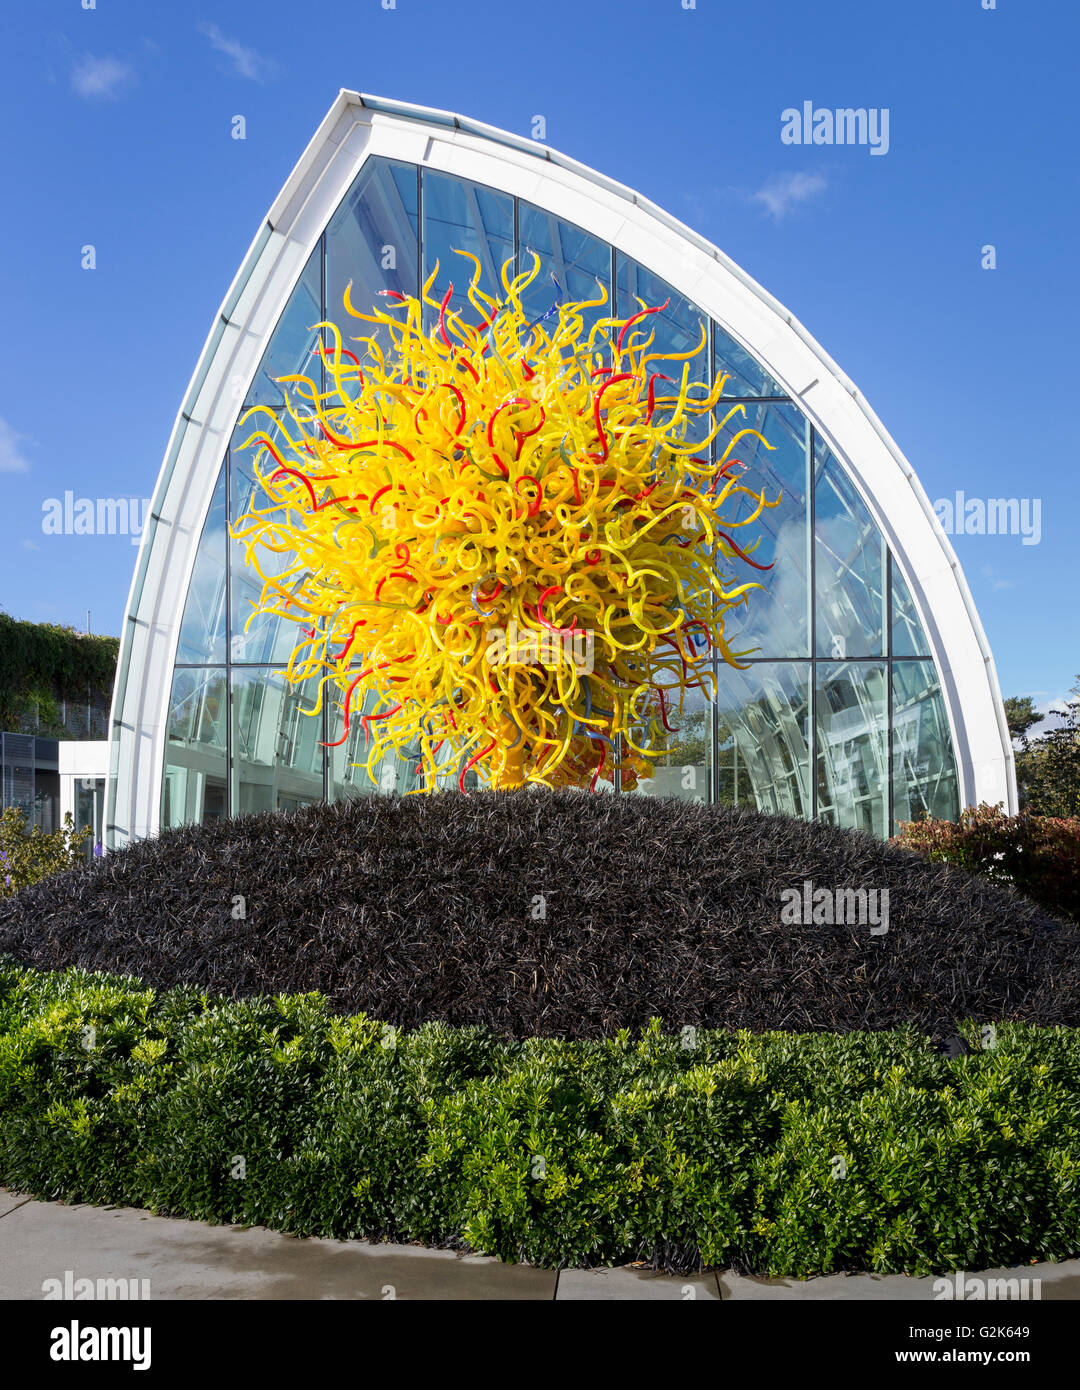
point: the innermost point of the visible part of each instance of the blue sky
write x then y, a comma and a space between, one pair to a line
118, 119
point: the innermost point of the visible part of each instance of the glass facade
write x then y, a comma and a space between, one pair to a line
838, 713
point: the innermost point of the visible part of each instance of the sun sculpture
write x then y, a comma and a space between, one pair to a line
498, 540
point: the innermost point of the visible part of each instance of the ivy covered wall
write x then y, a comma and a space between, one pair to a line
54, 681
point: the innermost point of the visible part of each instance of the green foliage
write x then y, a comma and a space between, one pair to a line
1039, 855
1047, 767
784, 1154
43, 663
29, 855
1021, 715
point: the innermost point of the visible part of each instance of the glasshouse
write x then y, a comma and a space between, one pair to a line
864, 693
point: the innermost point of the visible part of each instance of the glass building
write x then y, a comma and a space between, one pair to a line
871, 695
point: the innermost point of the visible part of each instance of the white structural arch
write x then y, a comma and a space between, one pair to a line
359, 128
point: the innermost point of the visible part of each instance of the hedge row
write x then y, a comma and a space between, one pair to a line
1037, 855
778, 1153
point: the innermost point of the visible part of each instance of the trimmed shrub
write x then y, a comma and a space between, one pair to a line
28, 855
554, 915
775, 1154
1038, 855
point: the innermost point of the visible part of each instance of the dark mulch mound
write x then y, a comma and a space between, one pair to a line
427, 908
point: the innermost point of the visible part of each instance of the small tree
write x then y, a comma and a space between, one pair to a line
1048, 767
1021, 715
28, 855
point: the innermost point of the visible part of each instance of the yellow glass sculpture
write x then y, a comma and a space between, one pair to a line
499, 540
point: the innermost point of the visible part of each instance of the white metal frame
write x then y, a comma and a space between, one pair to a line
358, 127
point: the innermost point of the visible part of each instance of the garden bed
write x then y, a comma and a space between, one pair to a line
778, 1154
557, 915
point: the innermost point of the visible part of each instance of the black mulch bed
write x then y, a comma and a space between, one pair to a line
427, 908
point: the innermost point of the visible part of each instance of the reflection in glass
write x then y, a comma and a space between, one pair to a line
202, 631
924, 769
683, 770
193, 788
763, 750
349, 774
775, 619
852, 744
576, 260
850, 557
371, 246
291, 349
908, 638
463, 216
277, 757
677, 329
745, 376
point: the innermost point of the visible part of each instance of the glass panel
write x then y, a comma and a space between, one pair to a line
349, 772
745, 376
276, 747
775, 619
908, 637
463, 216
677, 329
850, 566
852, 731
576, 259
193, 789
924, 769
202, 631
683, 769
763, 758
371, 246
290, 350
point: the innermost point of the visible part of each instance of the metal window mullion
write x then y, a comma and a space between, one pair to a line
324, 252
420, 236
811, 450
229, 812
890, 789
612, 310
714, 739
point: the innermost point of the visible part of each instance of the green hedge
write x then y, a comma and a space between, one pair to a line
777, 1153
1038, 855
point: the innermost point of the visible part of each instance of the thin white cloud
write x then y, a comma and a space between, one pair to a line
246, 61
779, 194
99, 77
12, 458
996, 581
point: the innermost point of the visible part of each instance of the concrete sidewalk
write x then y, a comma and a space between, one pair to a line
42, 1241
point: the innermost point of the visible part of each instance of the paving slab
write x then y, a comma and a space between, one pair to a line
42, 1241
624, 1283
1056, 1281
